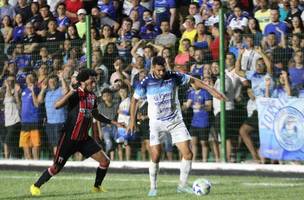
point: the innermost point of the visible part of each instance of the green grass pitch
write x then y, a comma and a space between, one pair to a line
65, 186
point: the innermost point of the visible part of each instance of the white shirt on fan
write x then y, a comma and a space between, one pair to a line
11, 112
229, 92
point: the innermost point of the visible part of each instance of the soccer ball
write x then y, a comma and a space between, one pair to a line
201, 187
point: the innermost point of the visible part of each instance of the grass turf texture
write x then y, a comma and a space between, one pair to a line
16, 184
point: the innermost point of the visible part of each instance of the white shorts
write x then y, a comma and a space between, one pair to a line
176, 128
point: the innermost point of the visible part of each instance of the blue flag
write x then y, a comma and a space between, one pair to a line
281, 128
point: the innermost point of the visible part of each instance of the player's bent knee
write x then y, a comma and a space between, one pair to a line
155, 158
54, 169
188, 156
104, 164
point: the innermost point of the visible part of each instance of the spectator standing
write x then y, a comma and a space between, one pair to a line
200, 102
123, 111
108, 108
143, 128
232, 134
257, 77
51, 91
12, 119
30, 118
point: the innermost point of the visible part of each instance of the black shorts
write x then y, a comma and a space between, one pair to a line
231, 130
12, 134
144, 130
201, 133
67, 147
253, 121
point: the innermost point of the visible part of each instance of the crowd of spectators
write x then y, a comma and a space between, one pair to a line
43, 47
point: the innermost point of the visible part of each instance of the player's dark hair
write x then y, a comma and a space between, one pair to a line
85, 75
158, 60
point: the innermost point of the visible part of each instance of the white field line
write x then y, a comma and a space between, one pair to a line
273, 184
89, 163
134, 179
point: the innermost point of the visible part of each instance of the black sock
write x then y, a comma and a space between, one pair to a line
45, 177
100, 174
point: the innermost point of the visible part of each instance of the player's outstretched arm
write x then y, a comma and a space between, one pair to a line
104, 119
131, 127
199, 83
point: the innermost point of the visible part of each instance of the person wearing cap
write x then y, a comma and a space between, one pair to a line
189, 33
81, 25
81, 104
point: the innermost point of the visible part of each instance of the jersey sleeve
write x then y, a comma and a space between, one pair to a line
181, 79
140, 91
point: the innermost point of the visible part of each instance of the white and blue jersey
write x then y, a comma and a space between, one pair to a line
161, 94
63, 22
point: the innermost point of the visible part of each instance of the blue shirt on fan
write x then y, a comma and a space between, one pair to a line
63, 22
200, 118
272, 28
162, 9
54, 116
108, 9
29, 113
296, 76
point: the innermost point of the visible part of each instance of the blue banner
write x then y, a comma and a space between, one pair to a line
281, 127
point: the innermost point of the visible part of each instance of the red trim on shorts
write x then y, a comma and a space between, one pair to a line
59, 146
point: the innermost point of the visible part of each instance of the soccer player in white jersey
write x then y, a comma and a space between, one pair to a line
160, 89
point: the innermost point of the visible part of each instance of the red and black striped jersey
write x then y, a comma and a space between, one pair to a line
79, 119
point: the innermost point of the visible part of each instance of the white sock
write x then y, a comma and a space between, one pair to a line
185, 168
153, 171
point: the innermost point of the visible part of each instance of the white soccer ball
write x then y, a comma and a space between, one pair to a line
201, 187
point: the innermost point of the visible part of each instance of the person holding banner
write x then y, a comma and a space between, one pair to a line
282, 90
258, 78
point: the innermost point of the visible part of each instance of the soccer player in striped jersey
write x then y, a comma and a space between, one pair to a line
160, 89
82, 106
